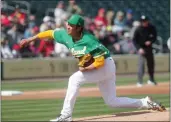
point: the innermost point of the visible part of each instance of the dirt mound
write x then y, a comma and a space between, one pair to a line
131, 116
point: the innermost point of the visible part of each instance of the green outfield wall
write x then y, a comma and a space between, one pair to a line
59, 67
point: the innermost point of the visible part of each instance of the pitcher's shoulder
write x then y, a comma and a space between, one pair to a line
60, 30
90, 36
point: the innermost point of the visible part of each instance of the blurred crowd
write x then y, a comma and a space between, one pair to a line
114, 29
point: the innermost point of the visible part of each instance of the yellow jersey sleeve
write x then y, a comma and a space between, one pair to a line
99, 61
46, 34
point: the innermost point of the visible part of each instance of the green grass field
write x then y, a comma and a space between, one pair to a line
44, 110
25, 86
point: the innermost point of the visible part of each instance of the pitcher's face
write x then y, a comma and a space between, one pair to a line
71, 29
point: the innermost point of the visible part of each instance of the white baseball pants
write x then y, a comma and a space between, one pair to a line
105, 78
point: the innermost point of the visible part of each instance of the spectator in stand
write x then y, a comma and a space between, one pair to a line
22, 26
6, 52
16, 51
14, 20
4, 20
100, 19
88, 22
109, 41
129, 19
3, 31
45, 48
59, 10
119, 20
126, 46
91, 27
100, 32
18, 14
47, 24
119, 25
31, 32
73, 8
28, 33
60, 14
136, 24
14, 36
100, 24
109, 18
32, 21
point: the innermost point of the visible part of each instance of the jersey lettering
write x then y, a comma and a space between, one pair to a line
78, 52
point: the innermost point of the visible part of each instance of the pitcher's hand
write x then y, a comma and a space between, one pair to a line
24, 42
82, 69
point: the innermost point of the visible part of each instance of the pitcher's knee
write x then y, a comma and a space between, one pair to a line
74, 80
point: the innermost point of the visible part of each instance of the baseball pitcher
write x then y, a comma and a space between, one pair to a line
95, 66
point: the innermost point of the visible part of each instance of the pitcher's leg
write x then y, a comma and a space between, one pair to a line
72, 93
108, 90
74, 84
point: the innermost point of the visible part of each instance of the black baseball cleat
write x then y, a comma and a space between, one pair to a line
149, 82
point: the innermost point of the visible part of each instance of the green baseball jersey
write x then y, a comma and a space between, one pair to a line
87, 44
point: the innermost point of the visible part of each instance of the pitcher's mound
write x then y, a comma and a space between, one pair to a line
131, 116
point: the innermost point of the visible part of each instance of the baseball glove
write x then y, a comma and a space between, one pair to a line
85, 60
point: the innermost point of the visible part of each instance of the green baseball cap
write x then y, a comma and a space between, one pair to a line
76, 19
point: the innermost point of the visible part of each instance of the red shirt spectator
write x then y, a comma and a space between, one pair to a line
19, 15
16, 47
46, 47
100, 18
4, 20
